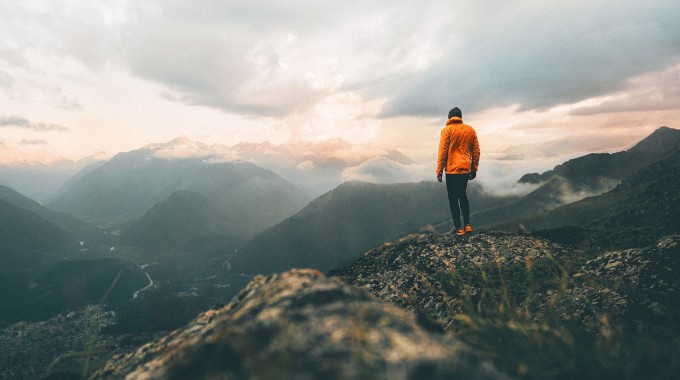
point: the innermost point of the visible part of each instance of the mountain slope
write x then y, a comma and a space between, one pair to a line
583, 173
337, 227
28, 241
581, 177
64, 221
184, 219
128, 186
636, 213
29, 245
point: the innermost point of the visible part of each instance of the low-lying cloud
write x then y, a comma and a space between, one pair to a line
377, 170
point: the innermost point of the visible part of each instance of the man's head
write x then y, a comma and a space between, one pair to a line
455, 111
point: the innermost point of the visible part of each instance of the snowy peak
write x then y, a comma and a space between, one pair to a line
183, 147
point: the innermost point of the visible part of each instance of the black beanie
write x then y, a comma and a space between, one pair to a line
455, 111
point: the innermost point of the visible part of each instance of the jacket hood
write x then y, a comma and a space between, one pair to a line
454, 120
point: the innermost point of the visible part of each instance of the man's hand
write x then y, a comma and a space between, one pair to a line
472, 175
439, 177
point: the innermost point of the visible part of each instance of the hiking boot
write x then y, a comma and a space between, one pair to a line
468, 228
460, 232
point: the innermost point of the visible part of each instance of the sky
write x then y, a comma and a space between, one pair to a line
540, 81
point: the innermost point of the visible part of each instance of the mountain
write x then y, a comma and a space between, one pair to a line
337, 227
29, 242
36, 281
639, 211
127, 186
185, 219
301, 325
534, 308
587, 172
75, 227
33, 237
75, 178
581, 177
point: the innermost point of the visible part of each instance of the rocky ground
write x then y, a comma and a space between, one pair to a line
415, 272
301, 325
540, 310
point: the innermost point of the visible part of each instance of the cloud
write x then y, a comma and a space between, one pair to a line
234, 56
658, 91
541, 54
566, 148
20, 122
378, 170
268, 58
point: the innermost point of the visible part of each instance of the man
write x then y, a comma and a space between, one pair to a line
459, 156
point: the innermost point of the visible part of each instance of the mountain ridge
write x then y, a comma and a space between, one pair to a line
656, 146
337, 227
128, 185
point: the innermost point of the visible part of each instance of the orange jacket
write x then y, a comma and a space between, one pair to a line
458, 148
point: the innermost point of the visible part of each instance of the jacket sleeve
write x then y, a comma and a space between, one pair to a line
443, 152
476, 153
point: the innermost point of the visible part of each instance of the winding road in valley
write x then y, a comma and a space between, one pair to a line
136, 294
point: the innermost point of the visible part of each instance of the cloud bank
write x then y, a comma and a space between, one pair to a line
268, 58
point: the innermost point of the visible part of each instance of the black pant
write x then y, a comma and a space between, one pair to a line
456, 185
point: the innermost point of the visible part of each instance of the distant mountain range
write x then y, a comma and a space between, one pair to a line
578, 178
336, 227
639, 211
587, 172
128, 186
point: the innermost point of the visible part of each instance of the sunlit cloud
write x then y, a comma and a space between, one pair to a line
125, 74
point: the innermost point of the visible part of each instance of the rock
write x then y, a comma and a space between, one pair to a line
301, 325
413, 266
647, 278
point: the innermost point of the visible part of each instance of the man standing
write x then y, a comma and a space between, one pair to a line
458, 155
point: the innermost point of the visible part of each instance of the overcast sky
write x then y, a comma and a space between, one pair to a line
81, 77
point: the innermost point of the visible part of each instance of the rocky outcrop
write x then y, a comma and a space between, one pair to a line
413, 272
638, 286
301, 325
537, 309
